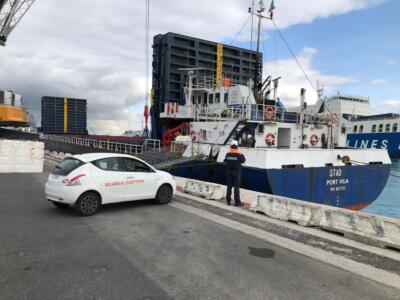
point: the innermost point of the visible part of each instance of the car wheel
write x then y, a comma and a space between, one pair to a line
164, 194
60, 205
88, 204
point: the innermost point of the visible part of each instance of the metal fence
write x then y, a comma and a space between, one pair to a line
149, 144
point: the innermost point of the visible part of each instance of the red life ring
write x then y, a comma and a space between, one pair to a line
269, 112
270, 139
193, 135
314, 139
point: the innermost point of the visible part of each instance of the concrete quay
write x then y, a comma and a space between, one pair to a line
192, 248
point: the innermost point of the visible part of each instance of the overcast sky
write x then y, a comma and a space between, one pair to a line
94, 49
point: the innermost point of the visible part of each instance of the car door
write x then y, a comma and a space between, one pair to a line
109, 175
140, 180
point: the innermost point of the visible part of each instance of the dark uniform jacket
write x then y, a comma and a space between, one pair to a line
234, 160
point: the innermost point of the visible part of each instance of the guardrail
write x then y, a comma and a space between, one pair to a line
98, 144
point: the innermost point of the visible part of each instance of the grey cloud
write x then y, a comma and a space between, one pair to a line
94, 49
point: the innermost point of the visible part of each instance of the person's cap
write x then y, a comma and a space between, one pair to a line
249, 136
234, 143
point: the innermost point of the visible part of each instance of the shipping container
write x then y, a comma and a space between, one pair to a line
64, 115
172, 52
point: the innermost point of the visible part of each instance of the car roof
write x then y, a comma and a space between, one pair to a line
89, 157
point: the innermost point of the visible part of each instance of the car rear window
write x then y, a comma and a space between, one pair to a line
67, 166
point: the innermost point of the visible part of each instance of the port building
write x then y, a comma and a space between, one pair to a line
62, 115
173, 52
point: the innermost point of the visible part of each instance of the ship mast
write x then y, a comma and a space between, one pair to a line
258, 69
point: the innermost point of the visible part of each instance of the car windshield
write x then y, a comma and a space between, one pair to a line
67, 166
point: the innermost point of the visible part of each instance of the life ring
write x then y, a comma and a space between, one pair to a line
269, 112
314, 139
335, 118
193, 135
270, 139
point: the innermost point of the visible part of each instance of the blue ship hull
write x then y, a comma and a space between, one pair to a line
381, 140
353, 187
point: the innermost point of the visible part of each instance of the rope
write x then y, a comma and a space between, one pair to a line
366, 165
240, 30
294, 56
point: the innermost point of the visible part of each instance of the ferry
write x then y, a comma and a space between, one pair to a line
375, 131
360, 129
288, 153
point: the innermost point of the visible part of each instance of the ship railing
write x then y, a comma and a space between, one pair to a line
209, 82
96, 144
212, 113
194, 148
179, 147
152, 144
272, 113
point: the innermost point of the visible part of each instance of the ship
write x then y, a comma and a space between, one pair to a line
359, 128
294, 153
289, 154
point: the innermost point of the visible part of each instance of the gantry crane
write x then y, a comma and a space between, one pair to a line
11, 12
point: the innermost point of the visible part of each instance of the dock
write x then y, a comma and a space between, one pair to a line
191, 248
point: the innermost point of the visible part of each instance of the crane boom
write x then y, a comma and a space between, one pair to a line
11, 12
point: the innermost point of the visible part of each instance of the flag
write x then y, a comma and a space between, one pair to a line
271, 9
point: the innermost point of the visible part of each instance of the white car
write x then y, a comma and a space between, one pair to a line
87, 181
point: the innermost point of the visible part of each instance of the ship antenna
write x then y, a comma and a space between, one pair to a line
258, 70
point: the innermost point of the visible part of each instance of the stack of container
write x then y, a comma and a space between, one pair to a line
64, 115
10, 98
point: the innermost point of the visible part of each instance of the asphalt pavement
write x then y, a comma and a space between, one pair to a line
145, 251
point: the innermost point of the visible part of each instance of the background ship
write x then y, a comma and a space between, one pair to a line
359, 128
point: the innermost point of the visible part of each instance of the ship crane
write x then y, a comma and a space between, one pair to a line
11, 13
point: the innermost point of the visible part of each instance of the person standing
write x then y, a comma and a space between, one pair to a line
233, 161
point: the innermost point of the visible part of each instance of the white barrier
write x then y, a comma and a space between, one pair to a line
203, 189
282, 208
370, 229
21, 156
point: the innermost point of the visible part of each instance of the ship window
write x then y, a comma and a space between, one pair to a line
380, 128
329, 165
217, 97
387, 128
260, 128
226, 97
343, 130
211, 98
355, 128
193, 101
394, 129
373, 128
199, 99
361, 128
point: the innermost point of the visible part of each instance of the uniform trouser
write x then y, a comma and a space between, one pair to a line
233, 180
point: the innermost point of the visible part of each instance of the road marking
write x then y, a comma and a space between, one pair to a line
360, 269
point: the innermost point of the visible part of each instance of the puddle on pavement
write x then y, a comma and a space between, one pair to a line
262, 252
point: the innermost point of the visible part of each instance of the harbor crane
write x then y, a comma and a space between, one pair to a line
11, 12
